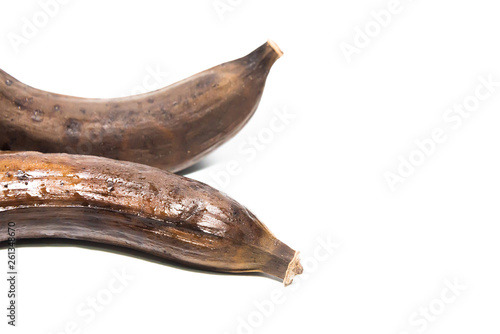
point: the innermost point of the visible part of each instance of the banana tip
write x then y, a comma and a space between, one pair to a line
275, 47
294, 268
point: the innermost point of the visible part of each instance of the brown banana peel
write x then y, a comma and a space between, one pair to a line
138, 207
171, 128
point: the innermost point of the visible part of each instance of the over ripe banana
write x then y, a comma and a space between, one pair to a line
139, 207
171, 128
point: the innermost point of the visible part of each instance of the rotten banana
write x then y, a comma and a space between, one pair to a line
171, 128
138, 207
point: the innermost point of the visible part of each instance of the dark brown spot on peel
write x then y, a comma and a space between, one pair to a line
151, 100
21, 176
19, 104
153, 189
206, 82
167, 115
37, 115
110, 185
73, 127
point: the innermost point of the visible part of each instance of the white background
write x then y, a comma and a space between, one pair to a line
321, 179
